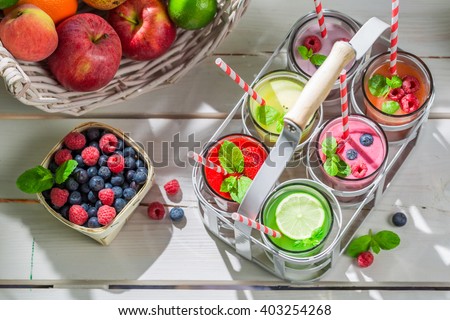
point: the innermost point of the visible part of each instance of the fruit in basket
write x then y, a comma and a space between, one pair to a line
7, 3
104, 4
88, 54
58, 10
144, 27
192, 14
28, 33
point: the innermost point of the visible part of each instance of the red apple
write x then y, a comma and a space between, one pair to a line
88, 55
28, 33
144, 28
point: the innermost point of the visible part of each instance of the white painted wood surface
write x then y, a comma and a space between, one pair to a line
36, 249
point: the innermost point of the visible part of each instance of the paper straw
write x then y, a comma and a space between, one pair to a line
233, 75
394, 37
320, 18
344, 104
255, 225
198, 158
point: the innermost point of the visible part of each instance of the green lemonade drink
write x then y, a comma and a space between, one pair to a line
302, 215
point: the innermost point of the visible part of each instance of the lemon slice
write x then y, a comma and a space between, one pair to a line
298, 215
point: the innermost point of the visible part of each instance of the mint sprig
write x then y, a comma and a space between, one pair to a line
308, 54
390, 107
39, 179
231, 157
267, 115
334, 165
379, 85
385, 240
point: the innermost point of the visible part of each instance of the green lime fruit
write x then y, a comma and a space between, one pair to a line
299, 224
192, 14
7, 3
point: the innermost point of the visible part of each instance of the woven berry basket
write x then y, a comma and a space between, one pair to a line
33, 84
104, 234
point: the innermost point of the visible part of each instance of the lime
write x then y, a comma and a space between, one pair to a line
192, 14
7, 3
299, 215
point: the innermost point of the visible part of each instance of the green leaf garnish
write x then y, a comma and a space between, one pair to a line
243, 183
329, 146
308, 54
390, 107
386, 240
280, 124
317, 59
304, 52
378, 86
64, 171
228, 184
334, 165
344, 169
231, 157
358, 245
394, 82
35, 180
331, 167
267, 115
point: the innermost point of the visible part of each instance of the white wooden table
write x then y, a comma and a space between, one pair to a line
42, 259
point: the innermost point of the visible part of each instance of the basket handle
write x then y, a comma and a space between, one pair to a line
320, 84
16, 80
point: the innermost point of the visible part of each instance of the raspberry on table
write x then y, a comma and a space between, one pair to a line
172, 187
90, 156
59, 197
106, 214
108, 143
365, 259
156, 210
62, 156
313, 43
106, 196
409, 103
116, 163
410, 84
359, 170
75, 140
176, 213
77, 215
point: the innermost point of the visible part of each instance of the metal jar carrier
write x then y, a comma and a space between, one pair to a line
254, 245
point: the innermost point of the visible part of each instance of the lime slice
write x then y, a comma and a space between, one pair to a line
298, 215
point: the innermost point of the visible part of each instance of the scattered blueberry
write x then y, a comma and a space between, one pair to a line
104, 172
98, 204
96, 183
399, 219
351, 154
85, 206
46, 194
176, 213
81, 175
103, 160
134, 185
119, 147
130, 175
79, 159
64, 212
75, 197
92, 196
53, 166
93, 223
140, 177
117, 192
94, 144
119, 204
130, 163
142, 169
117, 179
366, 139
129, 193
85, 188
92, 212
93, 134
129, 152
140, 163
108, 185
71, 184
92, 171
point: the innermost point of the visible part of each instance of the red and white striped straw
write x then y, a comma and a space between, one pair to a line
198, 158
394, 37
255, 225
233, 75
321, 18
344, 104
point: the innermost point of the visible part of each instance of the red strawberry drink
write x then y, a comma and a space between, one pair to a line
240, 156
396, 101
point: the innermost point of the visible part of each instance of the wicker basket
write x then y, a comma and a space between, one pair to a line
33, 84
107, 233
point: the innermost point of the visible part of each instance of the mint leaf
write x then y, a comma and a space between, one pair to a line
243, 183
331, 167
358, 245
267, 115
395, 82
35, 180
280, 124
228, 184
231, 158
329, 146
303, 52
390, 107
375, 246
64, 171
378, 86
317, 59
387, 240
344, 169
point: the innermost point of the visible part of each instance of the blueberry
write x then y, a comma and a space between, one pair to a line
351, 154
129, 152
103, 160
94, 144
93, 223
125, 185
85, 206
117, 192
71, 184
96, 183
117, 180
142, 169
129, 193
81, 175
134, 185
53, 166
140, 177
46, 194
79, 159
93, 134
92, 196
92, 212
120, 146
140, 163
130, 163
75, 197
366, 139
130, 175
176, 213
108, 185
64, 212
92, 171
98, 204
399, 219
119, 204
85, 188
104, 172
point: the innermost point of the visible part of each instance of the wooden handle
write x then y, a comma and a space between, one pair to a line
320, 84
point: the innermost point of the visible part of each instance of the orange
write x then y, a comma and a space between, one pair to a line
58, 10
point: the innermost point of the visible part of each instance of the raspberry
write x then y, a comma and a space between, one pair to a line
252, 161
156, 210
106, 214
396, 94
75, 141
106, 196
409, 103
90, 156
359, 170
312, 42
62, 156
365, 259
410, 84
172, 187
77, 215
59, 196
108, 143
116, 163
